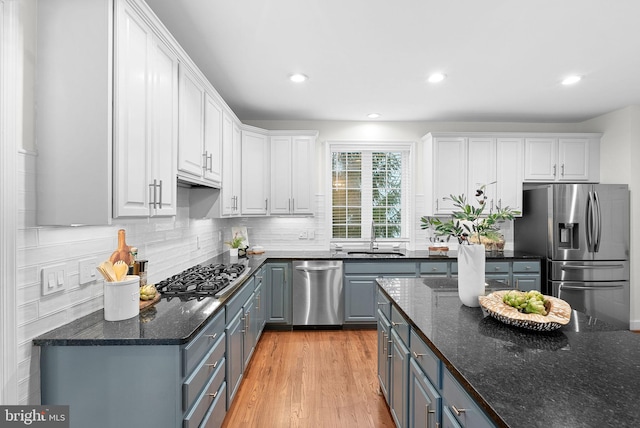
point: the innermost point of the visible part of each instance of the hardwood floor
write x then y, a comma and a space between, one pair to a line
311, 378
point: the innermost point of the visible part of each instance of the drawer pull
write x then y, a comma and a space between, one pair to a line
214, 395
214, 365
212, 336
457, 411
416, 355
395, 324
382, 303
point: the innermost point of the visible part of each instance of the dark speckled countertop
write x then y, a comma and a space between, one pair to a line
584, 374
173, 322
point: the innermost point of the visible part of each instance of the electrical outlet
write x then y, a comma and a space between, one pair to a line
53, 279
311, 234
303, 235
197, 242
87, 271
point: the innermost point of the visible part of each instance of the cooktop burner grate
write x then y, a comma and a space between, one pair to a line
201, 281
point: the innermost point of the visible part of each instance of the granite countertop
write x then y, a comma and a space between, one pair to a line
585, 374
174, 322
168, 322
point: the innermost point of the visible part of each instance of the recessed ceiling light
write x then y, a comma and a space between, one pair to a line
373, 115
436, 77
570, 80
298, 77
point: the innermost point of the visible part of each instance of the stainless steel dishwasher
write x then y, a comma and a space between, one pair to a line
317, 293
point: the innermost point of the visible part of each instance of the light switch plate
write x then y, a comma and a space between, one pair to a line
87, 271
54, 279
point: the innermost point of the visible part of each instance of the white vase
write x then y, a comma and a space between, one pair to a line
233, 252
471, 259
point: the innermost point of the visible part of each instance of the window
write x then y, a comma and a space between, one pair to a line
369, 187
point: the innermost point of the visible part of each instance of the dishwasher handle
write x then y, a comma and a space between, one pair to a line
315, 269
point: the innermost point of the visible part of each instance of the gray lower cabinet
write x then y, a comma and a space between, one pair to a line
360, 299
278, 289
419, 389
526, 275
240, 340
360, 287
424, 400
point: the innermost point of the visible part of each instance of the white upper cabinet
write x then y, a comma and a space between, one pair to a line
462, 162
145, 121
482, 169
255, 173
292, 174
447, 156
509, 172
200, 138
230, 191
569, 158
107, 112
212, 140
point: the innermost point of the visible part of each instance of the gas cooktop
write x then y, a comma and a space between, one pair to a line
198, 282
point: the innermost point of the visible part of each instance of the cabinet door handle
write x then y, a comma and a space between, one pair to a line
160, 203
153, 194
214, 365
212, 336
457, 411
204, 160
214, 395
416, 355
437, 207
554, 170
562, 170
266, 204
428, 413
293, 204
210, 163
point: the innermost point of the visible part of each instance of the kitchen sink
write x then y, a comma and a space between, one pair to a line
375, 254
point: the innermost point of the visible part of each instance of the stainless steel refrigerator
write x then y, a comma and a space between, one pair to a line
583, 231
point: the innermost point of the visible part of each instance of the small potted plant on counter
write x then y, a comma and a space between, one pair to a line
235, 244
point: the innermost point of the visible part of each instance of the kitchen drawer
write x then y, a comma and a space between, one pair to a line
462, 407
212, 392
400, 325
201, 374
378, 268
426, 359
433, 268
527, 267
496, 267
195, 350
217, 410
233, 305
383, 304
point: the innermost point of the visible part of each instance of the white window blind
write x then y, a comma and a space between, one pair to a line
370, 187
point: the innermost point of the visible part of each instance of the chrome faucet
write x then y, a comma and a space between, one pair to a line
373, 245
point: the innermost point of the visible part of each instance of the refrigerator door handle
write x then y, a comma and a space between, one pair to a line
586, 287
598, 223
582, 267
590, 223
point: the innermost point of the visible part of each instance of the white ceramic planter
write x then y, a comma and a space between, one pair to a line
471, 260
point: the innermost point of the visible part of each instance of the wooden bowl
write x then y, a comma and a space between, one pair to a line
559, 313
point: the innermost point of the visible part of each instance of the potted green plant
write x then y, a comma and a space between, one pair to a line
235, 244
470, 225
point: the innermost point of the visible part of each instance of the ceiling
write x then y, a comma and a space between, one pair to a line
504, 59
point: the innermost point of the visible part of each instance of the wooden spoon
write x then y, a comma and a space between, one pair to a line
106, 269
120, 269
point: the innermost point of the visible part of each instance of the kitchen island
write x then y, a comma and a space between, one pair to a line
586, 374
